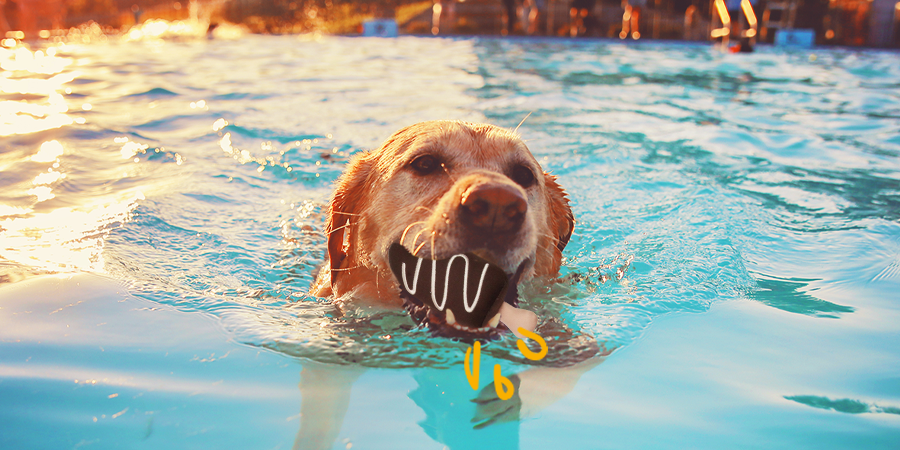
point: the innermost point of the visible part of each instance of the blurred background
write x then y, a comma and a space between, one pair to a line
832, 22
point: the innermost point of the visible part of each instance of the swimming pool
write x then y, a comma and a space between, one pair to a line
737, 244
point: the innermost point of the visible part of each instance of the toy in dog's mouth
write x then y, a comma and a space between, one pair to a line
460, 296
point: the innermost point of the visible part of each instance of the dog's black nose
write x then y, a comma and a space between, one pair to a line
493, 209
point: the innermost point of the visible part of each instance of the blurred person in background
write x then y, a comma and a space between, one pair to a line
581, 18
51, 14
19, 16
510, 16
31, 16
443, 16
535, 10
4, 22
631, 18
694, 29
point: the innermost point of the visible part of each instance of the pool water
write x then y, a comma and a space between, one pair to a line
737, 246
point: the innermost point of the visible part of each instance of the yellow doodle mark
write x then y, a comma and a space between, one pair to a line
502, 385
472, 373
526, 352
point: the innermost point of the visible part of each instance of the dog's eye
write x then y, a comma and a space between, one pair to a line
523, 176
425, 164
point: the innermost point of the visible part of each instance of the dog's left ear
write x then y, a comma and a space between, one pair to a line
350, 197
561, 218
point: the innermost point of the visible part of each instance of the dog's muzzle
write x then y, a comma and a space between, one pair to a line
458, 296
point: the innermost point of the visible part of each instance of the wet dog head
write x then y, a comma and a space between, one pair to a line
441, 189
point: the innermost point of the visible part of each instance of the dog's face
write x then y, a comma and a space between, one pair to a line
440, 189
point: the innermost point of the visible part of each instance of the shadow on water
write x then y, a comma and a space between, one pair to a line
845, 405
450, 421
791, 295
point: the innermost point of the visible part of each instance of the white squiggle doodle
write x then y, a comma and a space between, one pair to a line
415, 277
440, 306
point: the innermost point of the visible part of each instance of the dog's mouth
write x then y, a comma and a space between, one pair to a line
458, 296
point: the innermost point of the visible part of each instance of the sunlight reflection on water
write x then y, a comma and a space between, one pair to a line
38, 102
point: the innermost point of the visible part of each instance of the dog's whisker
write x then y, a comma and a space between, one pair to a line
548, 251
448, 172
346, 213
403, 236
523, 121
346, 269
416, 238
547, 235
416, 253
433, 234
346, 225
424, 208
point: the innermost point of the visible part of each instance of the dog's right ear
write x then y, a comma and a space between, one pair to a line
562, 219
350, 197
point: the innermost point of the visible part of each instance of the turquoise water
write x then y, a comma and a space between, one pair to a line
737, 246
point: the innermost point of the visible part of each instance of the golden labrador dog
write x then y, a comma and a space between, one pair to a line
439, 189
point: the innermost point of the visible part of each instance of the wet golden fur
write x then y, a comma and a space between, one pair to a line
379, 201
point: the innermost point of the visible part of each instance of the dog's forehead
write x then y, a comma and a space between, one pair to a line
478, 143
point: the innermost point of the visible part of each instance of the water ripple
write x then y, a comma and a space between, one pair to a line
696, 177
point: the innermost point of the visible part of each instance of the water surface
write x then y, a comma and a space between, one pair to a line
737, 242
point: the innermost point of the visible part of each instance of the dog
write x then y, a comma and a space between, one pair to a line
439, 189
442, 189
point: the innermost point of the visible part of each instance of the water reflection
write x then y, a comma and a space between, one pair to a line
675, 164
65, 239
33, 102
49, 152
49, 222
792, 295
158, 29
455, 415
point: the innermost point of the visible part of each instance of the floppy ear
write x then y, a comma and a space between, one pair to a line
350, 197
561, 219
